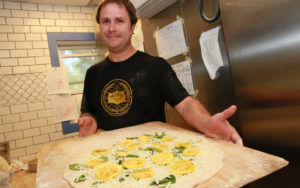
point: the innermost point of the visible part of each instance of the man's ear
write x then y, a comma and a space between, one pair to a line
133, 28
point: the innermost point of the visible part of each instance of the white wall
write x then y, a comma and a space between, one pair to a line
26, 117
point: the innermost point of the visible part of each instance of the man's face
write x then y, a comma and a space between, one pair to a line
115, 27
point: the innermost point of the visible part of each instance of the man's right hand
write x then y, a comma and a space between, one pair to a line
88, 126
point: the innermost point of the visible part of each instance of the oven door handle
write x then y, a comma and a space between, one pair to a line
202, 13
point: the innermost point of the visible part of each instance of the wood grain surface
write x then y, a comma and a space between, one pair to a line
241, 165
23, 179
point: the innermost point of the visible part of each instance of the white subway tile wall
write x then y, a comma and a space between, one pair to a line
12, 5
2, 139
23, 45
26, 116
4, 111
29, 6
6, 128
3, 37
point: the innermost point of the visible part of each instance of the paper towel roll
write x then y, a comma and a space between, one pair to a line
4, 171
4, 166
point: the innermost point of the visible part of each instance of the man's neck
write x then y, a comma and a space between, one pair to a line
117, 56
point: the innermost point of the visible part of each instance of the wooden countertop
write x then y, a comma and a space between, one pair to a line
23, 179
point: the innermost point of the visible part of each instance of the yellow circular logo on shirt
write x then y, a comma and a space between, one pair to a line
116, 97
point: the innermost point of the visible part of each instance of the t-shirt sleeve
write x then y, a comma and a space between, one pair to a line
170, 87
86, 106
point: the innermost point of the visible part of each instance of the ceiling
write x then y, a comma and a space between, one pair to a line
63, 2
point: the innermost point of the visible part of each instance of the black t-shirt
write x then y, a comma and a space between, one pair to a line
131, 92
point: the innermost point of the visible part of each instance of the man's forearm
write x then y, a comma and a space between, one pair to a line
194, 113
217, 126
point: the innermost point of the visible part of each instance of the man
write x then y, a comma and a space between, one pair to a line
130, 87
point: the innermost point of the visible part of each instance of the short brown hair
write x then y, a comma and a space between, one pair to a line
128, 5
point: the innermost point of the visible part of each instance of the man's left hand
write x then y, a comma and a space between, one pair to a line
217, 126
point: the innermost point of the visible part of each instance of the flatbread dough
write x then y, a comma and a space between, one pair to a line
202, 157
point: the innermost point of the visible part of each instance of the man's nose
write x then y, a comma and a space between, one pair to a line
112, 26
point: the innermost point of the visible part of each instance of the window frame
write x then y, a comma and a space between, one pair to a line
82, 45
53, 39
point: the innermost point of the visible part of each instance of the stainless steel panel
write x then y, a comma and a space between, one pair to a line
217, 94
263, 43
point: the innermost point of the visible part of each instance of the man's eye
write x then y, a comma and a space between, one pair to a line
119, 21
105, 21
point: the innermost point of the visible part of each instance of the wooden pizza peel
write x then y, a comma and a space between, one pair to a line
241, 165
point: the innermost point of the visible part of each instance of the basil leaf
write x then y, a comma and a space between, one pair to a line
80, 179
131, 138
152, 149
104, 158
121, 179
166, 180
133, 156
159, 136
178, 151
181, 149
95, 183
172, 179
176, 154
74, 166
